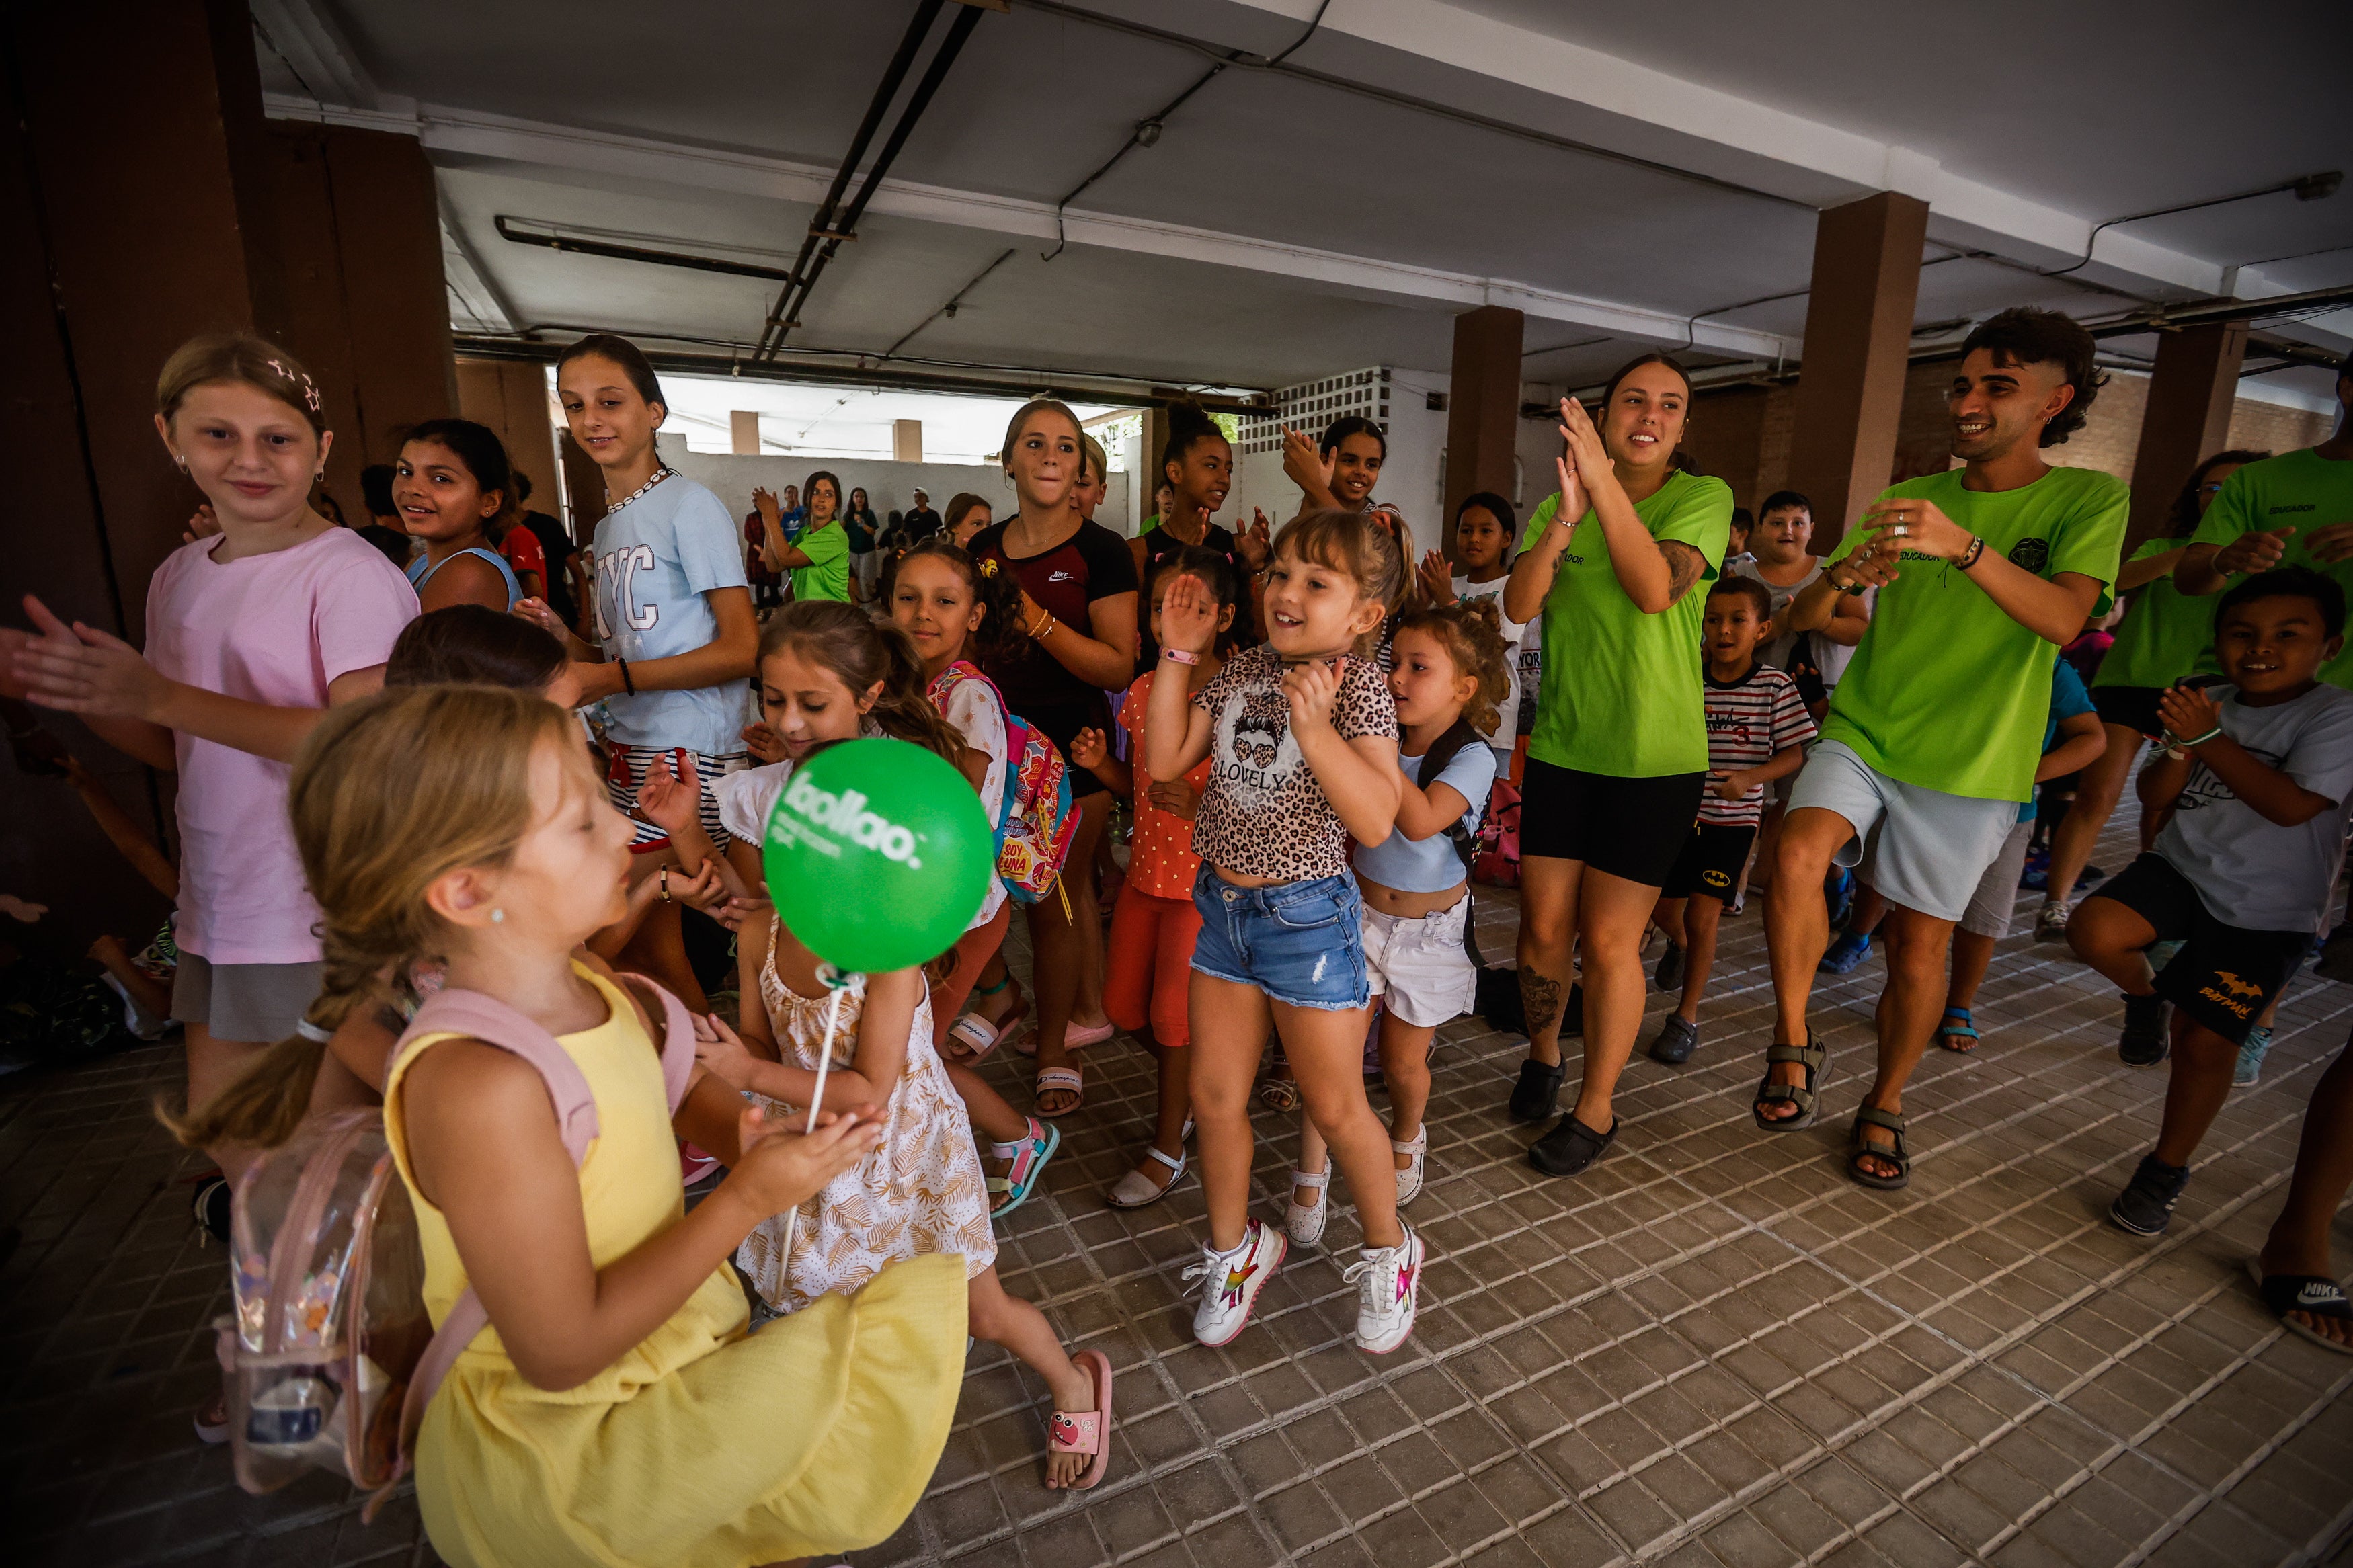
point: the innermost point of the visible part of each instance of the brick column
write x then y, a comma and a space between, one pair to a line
1483, 410
2188, 417
1858, 335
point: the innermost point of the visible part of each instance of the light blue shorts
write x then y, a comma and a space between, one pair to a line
1928, 849
1302, 943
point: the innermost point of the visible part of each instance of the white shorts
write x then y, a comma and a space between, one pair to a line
1996, 899
1421, 965
1928, 849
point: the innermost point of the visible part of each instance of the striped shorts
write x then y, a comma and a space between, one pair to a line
626, 769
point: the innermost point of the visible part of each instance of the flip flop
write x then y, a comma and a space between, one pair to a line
977, 1036
2314, 1294
1087, 1431
1068, 1078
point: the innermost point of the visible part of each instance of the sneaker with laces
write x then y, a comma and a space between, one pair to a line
1389, 1283
2145, 1205
2147, 1039
1847, 952
1231, 1282
2250, 1068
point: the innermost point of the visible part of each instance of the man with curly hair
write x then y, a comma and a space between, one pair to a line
1931, 743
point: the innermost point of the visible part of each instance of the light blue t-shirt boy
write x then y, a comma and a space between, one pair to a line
656, 559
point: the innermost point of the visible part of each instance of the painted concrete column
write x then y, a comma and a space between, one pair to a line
1858, 338
2186, 418
1483, 412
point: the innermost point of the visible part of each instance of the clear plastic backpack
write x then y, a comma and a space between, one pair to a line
329, 1357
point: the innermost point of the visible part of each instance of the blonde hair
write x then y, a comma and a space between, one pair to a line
1344, 542
1471, 633
1026, 412
389, 793
243, 359
1097, 460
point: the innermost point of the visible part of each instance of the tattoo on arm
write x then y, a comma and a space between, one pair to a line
1684, 566
1540, 998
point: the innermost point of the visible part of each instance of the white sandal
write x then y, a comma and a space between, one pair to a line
1409, 1179
1305, 1226
1136, 1188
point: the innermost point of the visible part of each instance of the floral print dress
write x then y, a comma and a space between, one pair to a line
920, 1190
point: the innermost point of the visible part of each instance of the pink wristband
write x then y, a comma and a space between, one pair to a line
1180, 656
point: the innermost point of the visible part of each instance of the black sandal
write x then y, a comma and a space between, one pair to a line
1534, 1095
2314, 1295
1805, 1096
1570, 1147
1857, 1146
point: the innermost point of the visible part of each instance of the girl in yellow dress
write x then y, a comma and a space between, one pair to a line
615, 1411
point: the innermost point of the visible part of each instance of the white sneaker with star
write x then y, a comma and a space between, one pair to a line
1231, 1282
1389, 1283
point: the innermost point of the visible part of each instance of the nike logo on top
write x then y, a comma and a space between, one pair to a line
1061, 577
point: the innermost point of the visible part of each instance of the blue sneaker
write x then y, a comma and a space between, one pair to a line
1847, 952
2251, 1056
2037, 874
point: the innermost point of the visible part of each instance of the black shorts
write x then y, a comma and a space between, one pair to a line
1061, 723
2225, 975
2134, 706
1710, 862
1633, 828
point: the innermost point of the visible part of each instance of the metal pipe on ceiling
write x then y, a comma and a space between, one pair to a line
833, 226
634, 252
885, 91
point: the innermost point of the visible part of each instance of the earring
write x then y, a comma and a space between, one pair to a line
181, 464
498, 917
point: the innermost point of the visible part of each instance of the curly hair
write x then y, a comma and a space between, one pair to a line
2024, 335
1471, 633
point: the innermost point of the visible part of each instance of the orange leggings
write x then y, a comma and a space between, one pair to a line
1148, 974
972, 951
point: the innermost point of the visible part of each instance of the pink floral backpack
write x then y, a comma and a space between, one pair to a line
1034, 830
329, 1358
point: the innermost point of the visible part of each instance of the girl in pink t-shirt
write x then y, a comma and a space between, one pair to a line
251, 635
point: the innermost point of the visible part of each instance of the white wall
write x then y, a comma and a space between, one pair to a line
888, 486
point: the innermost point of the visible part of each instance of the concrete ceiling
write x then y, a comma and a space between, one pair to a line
1643, 179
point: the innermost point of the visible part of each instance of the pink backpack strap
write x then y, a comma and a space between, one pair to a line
677, 1034
492, 1021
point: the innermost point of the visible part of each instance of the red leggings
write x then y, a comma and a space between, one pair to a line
1149, 970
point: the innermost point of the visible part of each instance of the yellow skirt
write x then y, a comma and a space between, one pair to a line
816, 1434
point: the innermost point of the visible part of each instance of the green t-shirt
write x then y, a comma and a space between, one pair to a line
2297, 488
1945, 690
2163, 633
827, 576
1621, 693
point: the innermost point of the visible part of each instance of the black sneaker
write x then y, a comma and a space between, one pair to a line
2145, 1205
1678, 1037
2147, 1039
1535, 1097
1670, 974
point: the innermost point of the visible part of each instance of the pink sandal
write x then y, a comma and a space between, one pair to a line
1087, 1431
1074, 1037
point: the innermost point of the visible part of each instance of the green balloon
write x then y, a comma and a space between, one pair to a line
878, 855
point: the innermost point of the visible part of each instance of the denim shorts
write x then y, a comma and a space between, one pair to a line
1302, 943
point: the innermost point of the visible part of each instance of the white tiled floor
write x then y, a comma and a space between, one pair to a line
1711, 1349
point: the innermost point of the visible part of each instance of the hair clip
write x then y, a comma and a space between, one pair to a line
309, 389
988, 565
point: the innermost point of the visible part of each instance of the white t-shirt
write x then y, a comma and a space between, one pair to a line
974, 711
657, 556
2248, 871
1519, 636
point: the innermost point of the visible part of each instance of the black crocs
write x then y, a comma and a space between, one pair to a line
1570, 1146
1534, 1096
